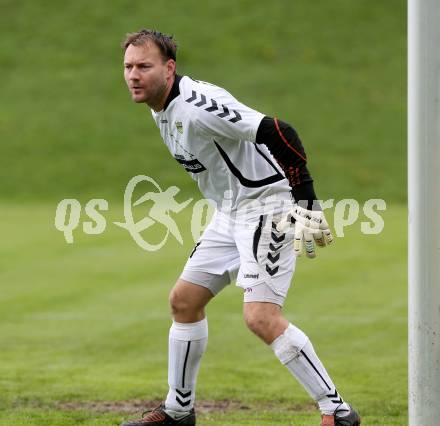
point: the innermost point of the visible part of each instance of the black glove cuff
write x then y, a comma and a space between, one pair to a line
305, 197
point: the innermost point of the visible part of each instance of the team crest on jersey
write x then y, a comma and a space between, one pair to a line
179, 126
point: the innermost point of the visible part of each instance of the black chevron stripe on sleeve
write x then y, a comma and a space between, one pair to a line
225, 112
236, 118
192, 98
213, 107
202, 101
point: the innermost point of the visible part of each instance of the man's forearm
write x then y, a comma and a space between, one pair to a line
285, 146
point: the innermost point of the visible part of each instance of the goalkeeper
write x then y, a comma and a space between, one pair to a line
259, 165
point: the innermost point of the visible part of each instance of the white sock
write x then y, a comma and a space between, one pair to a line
187, 343
296, 352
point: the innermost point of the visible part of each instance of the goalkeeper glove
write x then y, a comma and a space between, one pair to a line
310, 228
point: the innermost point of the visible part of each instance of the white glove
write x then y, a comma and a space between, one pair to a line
309, 225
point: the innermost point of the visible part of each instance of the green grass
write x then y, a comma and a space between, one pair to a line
89, 321
335, 70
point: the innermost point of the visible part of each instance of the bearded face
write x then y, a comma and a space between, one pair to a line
147, 74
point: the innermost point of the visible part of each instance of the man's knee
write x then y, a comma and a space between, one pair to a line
265, 320
179, 303
188, 301
255, 322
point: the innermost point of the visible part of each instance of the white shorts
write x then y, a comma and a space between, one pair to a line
251, 251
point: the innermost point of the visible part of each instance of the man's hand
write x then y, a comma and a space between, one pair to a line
310, 227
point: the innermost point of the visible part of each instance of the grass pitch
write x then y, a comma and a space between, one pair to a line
84, 327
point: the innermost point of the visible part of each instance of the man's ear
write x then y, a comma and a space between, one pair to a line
171, 67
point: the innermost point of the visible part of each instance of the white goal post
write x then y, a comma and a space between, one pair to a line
424, 211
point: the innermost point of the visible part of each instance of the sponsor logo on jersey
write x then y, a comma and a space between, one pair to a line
191, 166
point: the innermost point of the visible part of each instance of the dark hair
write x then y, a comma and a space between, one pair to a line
164, 42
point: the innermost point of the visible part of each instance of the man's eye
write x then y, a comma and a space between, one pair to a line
127, 67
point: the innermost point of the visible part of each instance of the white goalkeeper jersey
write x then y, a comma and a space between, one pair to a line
212, 136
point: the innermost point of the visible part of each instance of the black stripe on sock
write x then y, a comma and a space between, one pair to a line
184, 364
319, 374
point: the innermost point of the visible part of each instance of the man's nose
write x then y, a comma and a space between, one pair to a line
134, 74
